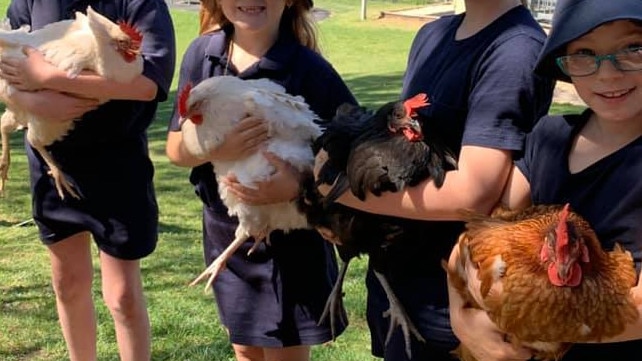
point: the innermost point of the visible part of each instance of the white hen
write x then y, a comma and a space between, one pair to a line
210, 110
89, 42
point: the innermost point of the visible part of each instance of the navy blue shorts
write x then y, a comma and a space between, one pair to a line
118, 205
432, 321
275, 296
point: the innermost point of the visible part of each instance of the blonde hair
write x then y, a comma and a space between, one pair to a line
297, 13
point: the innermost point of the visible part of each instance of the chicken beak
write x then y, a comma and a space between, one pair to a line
414, 123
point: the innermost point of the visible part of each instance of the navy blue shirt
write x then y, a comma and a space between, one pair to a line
119, 120
275, 296
105, 155
298, 69
482, 92
608, 194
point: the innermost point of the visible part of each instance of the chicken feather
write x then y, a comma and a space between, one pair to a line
218, 104
371, 153
514, 255
88, 42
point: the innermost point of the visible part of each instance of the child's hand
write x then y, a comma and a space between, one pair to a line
282, 185
54, 106
245, 139
30, 73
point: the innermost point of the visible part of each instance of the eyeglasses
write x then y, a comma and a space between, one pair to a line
583, 64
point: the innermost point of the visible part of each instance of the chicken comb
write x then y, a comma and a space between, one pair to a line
418, 101
182, 100
562, 229
131, 31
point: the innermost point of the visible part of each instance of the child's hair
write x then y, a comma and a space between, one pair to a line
296, 19
575, 18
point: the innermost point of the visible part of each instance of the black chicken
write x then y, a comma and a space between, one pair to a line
371, 153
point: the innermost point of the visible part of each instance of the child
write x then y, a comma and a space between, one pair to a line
591, 160
270, 302
477, 69
106, 156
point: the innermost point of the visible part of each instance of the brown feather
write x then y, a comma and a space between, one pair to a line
530, 308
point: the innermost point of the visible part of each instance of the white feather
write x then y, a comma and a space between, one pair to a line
223, 101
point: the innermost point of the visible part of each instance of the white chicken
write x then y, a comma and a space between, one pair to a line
88, 42
210, 110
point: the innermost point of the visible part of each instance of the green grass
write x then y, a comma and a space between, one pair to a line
184, 320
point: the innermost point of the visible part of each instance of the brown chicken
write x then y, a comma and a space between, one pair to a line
544, 279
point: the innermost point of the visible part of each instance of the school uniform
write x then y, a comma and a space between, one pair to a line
275, 296
105, 156
482, 93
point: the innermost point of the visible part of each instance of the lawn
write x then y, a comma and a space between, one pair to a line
369, 54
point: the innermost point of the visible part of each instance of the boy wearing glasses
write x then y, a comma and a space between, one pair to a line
591, 160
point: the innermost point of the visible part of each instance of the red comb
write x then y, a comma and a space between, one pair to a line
562, 229
418, 101
135, 35
183, 111
182, 100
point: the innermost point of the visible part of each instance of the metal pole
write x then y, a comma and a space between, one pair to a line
363, 9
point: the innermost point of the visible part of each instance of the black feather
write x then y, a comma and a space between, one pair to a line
369, 154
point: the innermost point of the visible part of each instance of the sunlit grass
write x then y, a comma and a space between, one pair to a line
371, 56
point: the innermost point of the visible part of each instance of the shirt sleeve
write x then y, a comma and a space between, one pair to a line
18, 13
324, 100
152, 18
506, 97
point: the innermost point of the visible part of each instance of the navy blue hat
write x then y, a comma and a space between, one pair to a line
574, 18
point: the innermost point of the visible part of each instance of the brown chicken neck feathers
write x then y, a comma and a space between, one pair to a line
516, 288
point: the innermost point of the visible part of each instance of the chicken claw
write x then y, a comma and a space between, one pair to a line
398, 315
62, 183
334, 304
218, 264
212, 271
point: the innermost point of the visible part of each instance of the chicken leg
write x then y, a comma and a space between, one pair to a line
334, 304
61, 182
398, 315
8, 125
218, 264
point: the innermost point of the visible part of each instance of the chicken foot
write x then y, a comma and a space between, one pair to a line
398, 315
8, 125
61, 182
215, 268
5, 161
334, 304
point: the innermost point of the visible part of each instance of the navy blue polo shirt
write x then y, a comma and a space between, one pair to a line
608, 194
298, 69
116, 121
275, 296
105, 155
